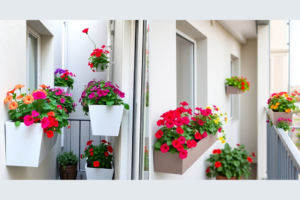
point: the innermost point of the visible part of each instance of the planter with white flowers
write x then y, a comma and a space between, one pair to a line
99, 158
102, 101
32, 130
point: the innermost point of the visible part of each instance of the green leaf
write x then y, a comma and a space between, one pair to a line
110, 103
172, 150
157, 144
126, 106
228, 174
17, 123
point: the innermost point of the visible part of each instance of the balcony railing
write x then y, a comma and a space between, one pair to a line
283, 157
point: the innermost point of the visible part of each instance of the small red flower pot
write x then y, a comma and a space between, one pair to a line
233, 90
275, 115
225, 178
171, 163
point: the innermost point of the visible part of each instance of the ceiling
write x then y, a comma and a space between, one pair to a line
240, 29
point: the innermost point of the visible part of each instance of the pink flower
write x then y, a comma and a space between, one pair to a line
194, 143
160, 122
200, 122
185, 120
92, 95
180, 147
59, 106
181, 139
183, 154
184, 103
193, 118
28, 120
164, 148
220, 129
293, 129
198, 136
170, 124
204, 134
58, 92
175, 143
39, 95
62, 100
179, 130
45, 122
190, 144
179, 122
34, 113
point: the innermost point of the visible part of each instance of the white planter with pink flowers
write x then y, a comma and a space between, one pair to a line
26, 146
106, 120
66, 89
99, 173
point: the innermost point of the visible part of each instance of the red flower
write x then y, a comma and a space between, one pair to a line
96, 163
184, 103
89, 142
183, 154
104, 141
253, 154
200, 122
189, 144
81, 156
110, 149
106, 153
215, 151
91, 149
181, 139
220, 129
91, 153
218, 164
103, 46
175, 143
159, 134
50, 134
207, 170
85, 148
180, 147
238, 145
160, 122
242, 87
66, 78
185, 120
37, 119
243, 83
170, 124
249, 159
69, 126
219, 151
198, 136
179, 130
164, 148
86, 30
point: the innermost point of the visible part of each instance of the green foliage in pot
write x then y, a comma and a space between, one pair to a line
230, 162
67, 158
238, 82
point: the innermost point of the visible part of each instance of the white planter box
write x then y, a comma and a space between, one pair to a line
99, 173
26, 146
66, 89
98, 69
106, 120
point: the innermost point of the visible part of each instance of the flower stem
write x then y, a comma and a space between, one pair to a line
92, 40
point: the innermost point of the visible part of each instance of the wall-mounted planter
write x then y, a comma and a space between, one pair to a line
106, 120
98, 69
169, 163
99, 173
233, 90
66, 89
275, 115
26, 146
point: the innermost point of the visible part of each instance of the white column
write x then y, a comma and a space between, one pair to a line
263, 82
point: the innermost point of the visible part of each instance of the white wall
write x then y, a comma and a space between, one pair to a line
249, 99
220, 46
13, 71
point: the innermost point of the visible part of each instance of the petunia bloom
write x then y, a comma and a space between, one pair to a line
45, 122
164, 148
50, 134
28, 99
183, 154
34, 113
13, 105
218, 164
62, 100
28, 120
86, 30
39, 95
96, 163
179, 130
159, 134
110, 149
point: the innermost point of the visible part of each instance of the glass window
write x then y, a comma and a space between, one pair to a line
33, 61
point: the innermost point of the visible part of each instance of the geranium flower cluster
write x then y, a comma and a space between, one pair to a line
101, 93
282, 102
229, 162
98, 57
98, 156
283, 124
179, 131
36, 107
239, 82
64, 99
64, 78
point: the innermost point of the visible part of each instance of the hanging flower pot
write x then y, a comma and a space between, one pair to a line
64, 79
237, 85
64, 89
99, 161
100, 68
101, 100
173, 164
281, 105
26, 146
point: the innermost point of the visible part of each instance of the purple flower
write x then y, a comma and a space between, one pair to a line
92, 95
74, 105
62, 100
60, 71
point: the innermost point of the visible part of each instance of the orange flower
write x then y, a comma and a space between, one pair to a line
51, 113
8, 99
43, 86
28, 99
20, 96
288, 110
13, 105
19, 86
11, 92
41, 91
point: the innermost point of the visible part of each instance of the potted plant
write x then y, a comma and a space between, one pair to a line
31, 114
102, 101
237, 85
179, 141
98, 161
229, 164
64, 79
68, 165
99, 59
282, 123
281, 105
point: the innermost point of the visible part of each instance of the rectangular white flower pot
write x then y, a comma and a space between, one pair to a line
98, 69
106, 120
26, 146
66, 89
99, 173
